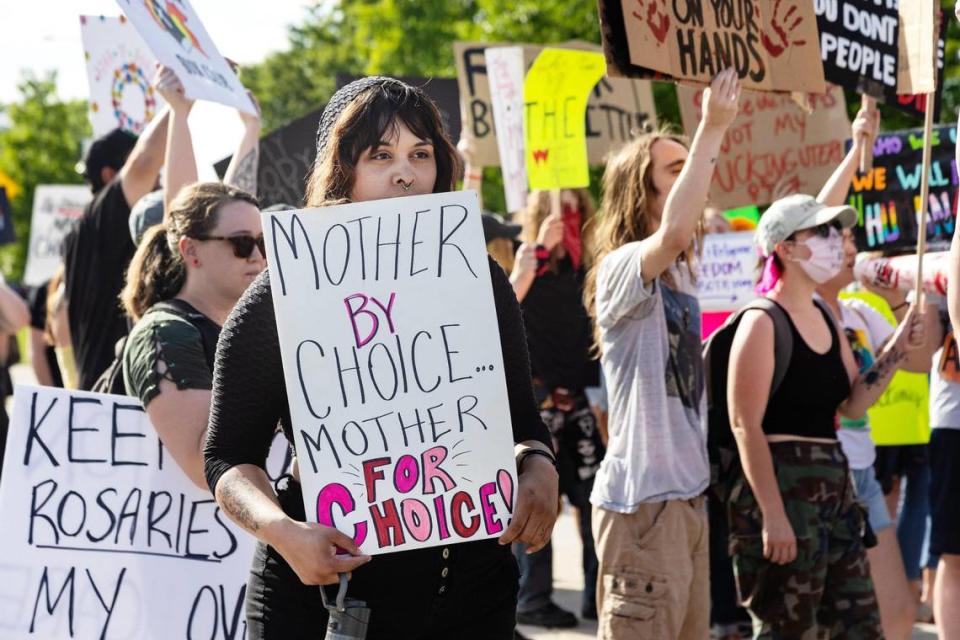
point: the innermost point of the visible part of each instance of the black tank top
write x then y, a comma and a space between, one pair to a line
815, 384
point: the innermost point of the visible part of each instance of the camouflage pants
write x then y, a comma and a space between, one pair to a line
826, 592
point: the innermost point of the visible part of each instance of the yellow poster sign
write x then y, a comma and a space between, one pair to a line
555, 94
6, 182
901, 415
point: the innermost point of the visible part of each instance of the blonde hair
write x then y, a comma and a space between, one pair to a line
625, 210
501, 250
538, 208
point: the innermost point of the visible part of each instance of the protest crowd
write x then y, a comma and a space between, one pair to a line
745, 391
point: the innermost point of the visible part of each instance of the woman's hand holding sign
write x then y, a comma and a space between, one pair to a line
535, 508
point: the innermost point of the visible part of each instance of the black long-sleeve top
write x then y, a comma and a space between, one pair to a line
250, 395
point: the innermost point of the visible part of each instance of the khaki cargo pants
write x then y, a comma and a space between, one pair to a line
654, 578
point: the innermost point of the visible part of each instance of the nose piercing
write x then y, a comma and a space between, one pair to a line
406, 185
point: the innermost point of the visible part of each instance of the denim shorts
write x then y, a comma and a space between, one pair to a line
870, 495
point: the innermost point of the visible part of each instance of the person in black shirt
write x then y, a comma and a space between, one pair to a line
548, 279
43, 357
120, 169
378, 138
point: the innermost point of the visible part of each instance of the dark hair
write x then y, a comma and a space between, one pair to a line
157, 271
111, 151
363, 123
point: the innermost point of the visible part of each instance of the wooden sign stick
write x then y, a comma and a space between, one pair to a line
924, 196
866, 151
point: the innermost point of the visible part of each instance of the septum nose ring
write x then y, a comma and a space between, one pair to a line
406, 185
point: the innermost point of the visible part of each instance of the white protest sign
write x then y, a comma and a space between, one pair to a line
505, 70
103, 535
727, 268
55, 209
394, 371
120, 69
177, 37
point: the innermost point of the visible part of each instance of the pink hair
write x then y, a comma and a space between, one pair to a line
769, 277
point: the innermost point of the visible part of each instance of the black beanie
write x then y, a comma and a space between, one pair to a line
343, 97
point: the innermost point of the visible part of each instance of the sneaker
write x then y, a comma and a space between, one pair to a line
550, 616
589, 611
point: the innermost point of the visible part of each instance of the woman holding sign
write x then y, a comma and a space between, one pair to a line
378, 138
796, 529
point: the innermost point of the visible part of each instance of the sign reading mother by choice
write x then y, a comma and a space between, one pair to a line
394, 370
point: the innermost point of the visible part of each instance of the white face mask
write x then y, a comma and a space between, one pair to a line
826, 257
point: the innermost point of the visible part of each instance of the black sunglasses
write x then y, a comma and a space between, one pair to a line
822, 230
242, 245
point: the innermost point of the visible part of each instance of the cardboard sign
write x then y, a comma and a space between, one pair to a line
177, 38
773, 44
505, 67
103, 535
917, 24
7, 232
860, 46
900, 272
120, 69
910, 101
727, 270
772, 140
555, 95
617, 111
394, 369
888, 197
55, 209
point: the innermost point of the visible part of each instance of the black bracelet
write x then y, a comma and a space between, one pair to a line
900, 306
535, 452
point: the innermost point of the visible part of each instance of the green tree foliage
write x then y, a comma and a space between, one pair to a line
41, 146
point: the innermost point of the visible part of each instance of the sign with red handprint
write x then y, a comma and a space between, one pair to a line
773, 44
858, 43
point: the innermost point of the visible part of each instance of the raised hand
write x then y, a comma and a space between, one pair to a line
777, 35
721, 100
168, 85
656, 18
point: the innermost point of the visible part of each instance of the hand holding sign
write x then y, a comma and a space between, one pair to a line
536, 510
311, 551
169, 86
722, 100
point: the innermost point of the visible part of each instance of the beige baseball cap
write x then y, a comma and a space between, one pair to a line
794, 213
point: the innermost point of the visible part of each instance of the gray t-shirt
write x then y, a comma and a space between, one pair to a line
945, 375
653, 368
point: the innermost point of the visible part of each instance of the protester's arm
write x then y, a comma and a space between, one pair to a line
863, 132
472, 174
918, 360
748, 391
242, 171
688, 197
138, 177
180, 163
867, 387
524, 270
180, 418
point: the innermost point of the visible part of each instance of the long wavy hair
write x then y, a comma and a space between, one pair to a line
625, 215
362, 125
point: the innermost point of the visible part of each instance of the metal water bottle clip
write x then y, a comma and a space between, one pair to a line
348, 617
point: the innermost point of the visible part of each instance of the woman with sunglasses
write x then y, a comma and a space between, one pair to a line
796, 530
378, 138
183, 281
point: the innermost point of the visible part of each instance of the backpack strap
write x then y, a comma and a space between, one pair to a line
782, 338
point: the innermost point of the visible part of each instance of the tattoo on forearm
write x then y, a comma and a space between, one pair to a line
245, 177
883, 368
232, 501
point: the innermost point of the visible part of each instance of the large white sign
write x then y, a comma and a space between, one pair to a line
394, 371
120, 70
103, 535
505, 70
727, 270
55, 209
177, 37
